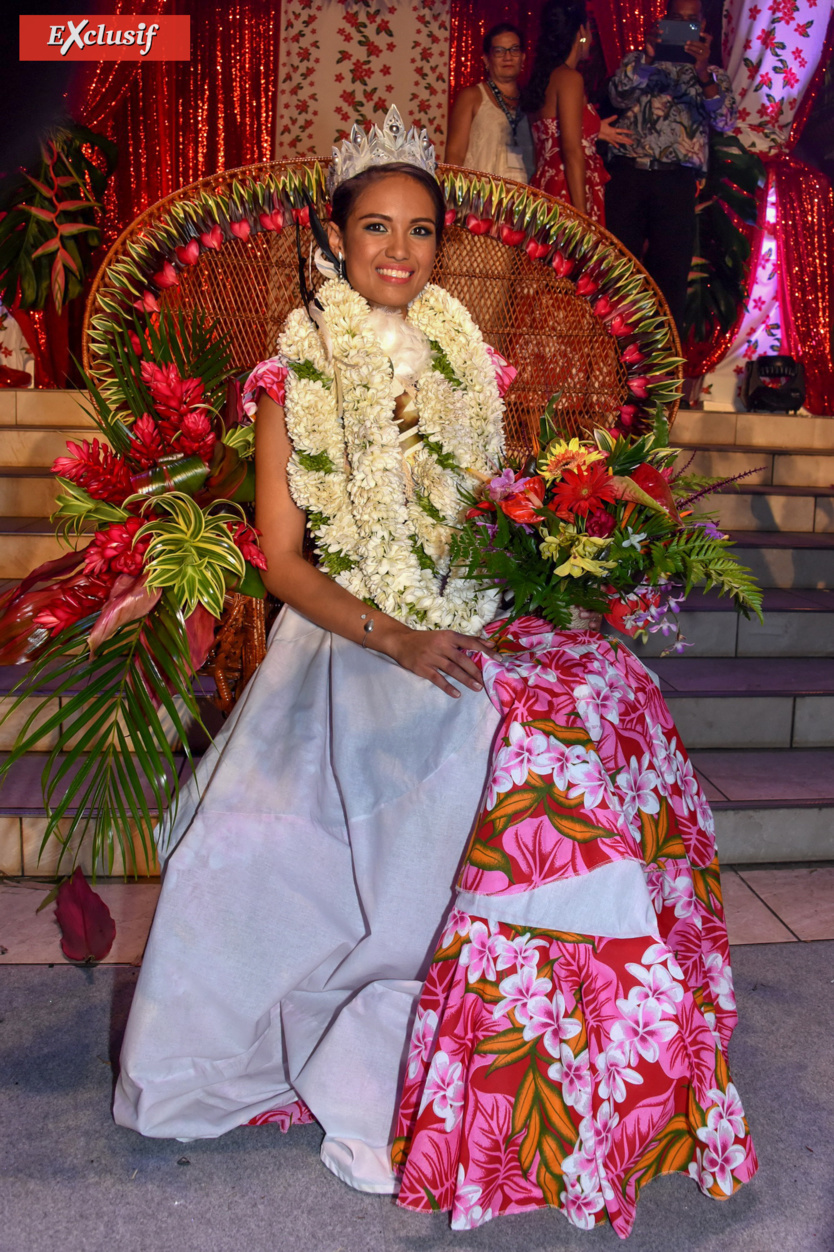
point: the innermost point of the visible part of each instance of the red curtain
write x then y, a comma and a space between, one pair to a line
178, 121
805, 226
622, 25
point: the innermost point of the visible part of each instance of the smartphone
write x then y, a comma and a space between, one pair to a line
673, 36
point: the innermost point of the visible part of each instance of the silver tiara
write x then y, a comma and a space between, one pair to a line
380, 147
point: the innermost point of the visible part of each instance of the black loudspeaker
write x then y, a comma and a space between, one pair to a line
773, 384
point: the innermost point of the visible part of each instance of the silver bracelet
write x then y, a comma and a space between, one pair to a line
367, 628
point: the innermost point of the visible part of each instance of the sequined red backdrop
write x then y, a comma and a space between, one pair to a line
177, 121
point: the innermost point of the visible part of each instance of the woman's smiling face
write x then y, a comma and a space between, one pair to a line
389, 241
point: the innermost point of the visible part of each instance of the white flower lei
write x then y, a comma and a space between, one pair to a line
347, 472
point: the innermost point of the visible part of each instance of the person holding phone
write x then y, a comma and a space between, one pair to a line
671, 97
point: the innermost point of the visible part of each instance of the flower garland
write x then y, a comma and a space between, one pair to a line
386, 540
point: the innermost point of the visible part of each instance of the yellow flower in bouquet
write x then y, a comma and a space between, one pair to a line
578, 551
561, 455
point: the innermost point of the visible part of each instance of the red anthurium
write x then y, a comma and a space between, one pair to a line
87, 928
627, 415
478, 225
603, 307
586, 286
167, 276
619, 326
655, 485
212, 238
632, 355
302, 216
189, 254
483, 506
522, 504
450, 217
536, 250
274, 221
136, 342
562, 264
148, 303
241, 230
511, 237
619, 610
639, 387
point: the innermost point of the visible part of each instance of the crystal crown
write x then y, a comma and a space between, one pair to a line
380, 146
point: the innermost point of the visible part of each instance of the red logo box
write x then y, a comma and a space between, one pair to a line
104, 37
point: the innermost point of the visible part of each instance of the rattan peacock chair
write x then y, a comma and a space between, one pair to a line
554, 292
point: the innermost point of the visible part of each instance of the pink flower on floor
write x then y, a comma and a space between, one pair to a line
518, 990
444, 1090
481, 953
457, 923
721, 1155
728, 1108
467, 1213
614, 1072
422, 1039
642, 1029
549, 1018
720, 978
574, 1074
638, 785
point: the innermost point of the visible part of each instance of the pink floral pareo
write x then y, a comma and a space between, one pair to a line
563, 1069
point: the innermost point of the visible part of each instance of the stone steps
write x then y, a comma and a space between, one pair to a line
787, 559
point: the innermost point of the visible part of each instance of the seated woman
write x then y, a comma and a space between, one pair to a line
565, 126
310, 878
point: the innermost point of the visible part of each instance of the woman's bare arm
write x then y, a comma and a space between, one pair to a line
460, 124
570, 107
434, 655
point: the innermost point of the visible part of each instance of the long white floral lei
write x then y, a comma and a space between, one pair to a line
387, 545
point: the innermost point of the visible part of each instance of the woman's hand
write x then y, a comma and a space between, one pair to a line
437, 655
609, 132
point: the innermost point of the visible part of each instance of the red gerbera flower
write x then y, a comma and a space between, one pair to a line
582, 490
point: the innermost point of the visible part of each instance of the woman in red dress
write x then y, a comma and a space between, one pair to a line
565, 126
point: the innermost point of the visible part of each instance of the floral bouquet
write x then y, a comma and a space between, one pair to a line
600, 526
118, 626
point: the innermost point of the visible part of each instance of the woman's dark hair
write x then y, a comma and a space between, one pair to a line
560, 22
503, 28
347, 193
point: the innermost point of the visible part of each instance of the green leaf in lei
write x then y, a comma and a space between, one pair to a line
431, 509
317, 462
308, 371
447, 460
440, 362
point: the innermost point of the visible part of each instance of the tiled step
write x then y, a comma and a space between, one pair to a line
35, 407
787, 559
796, 623
779, 469
694, 428
27, 491
750, 703
770, 806
25, 543
760, 507
38, 446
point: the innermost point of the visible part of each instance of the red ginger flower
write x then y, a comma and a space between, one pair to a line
194, 437
246, 539
96, 468
581, 490
113, 549
146, 445
173, 396
75, 598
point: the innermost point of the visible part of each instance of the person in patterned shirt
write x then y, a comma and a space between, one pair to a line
669, 108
